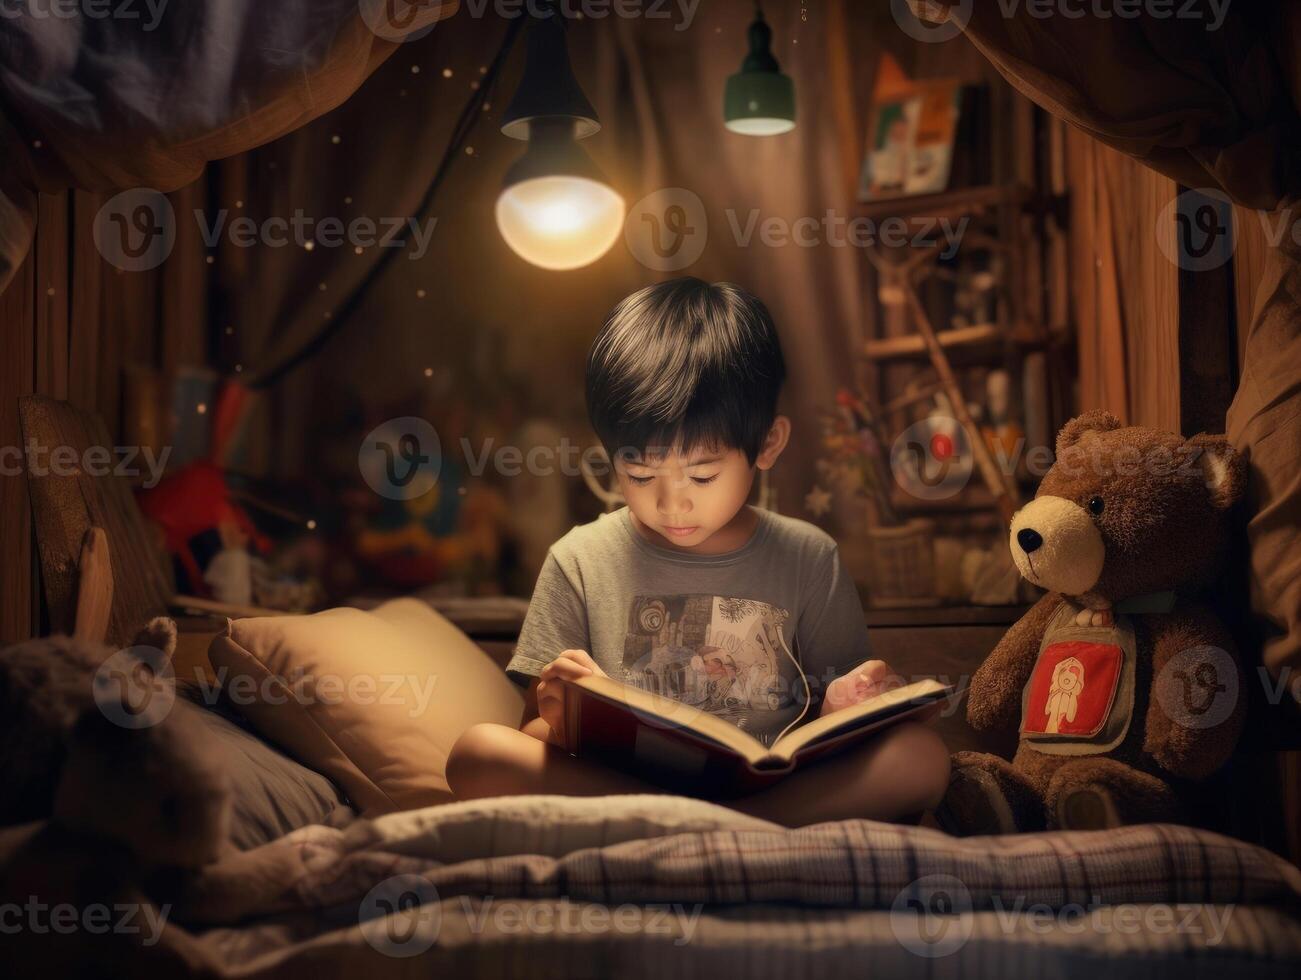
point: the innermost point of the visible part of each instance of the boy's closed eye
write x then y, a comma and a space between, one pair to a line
700, 481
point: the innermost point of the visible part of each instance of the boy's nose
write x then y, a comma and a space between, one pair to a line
674, 500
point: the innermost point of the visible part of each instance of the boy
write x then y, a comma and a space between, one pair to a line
690, 592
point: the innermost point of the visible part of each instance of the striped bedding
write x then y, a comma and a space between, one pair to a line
635, 886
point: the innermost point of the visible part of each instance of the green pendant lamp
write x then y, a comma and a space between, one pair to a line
759, 100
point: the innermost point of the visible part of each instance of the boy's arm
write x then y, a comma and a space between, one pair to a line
556, 621
832, 633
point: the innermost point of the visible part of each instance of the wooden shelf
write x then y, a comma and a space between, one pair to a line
956, 202
975, 496
946, 616
912, 345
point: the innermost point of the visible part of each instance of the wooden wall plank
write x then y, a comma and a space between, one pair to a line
1251, 246
18, 618
86, 301
1126, 290
51, 294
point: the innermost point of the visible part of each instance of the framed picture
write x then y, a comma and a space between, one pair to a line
910, 137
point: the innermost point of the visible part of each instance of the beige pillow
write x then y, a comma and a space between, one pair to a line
374, 700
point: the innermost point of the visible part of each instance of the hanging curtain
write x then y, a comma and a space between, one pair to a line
107, 103
1210, 108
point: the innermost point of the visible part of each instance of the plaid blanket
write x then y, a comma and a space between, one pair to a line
689, 858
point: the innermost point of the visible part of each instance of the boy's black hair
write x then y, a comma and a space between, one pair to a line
685, 364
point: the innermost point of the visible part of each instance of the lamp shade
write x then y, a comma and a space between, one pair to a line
759, 100
548, 88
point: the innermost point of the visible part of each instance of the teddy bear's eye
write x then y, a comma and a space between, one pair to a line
1096, 505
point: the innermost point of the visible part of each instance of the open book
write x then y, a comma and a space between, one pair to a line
684, 748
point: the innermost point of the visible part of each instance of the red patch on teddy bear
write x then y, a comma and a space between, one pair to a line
1072, 688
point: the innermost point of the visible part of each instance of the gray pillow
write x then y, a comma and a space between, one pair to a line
271, 793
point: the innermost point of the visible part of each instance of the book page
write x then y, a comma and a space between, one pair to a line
667, 713
859, 715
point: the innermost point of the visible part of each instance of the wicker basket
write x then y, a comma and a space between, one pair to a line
900, 565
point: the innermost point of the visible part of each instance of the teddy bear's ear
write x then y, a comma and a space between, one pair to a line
1224, 468
159, 633
1073, 431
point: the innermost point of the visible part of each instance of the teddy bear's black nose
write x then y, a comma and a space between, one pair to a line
1029, 539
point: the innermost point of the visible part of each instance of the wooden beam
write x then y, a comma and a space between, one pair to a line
914, 345
94, 587
1208, 369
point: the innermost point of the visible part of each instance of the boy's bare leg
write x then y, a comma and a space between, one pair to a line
898, 774
902, 772
495, 760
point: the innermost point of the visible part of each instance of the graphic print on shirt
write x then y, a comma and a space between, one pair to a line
721, 654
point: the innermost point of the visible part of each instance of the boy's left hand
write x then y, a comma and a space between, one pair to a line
866, 681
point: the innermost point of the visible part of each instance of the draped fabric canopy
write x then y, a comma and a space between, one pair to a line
102, 104
1214, 105
108, 102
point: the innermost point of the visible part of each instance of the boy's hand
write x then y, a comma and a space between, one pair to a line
571, 665
864, 682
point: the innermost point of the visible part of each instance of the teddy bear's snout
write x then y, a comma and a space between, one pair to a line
1057, 546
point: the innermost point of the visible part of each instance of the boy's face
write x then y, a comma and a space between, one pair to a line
688, 497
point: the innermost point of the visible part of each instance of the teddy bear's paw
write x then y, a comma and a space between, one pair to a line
1094, 617
975, 805
1087, 808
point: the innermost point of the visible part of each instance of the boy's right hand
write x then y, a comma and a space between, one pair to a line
570, 665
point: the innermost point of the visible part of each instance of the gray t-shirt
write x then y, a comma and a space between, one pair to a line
720, 632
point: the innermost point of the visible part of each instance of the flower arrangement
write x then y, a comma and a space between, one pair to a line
855, 458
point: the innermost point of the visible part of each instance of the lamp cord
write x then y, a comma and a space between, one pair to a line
465, 124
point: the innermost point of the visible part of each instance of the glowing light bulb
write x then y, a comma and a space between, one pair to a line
560, 221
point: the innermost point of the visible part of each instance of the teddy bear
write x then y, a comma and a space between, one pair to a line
1124, 689
104, 803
